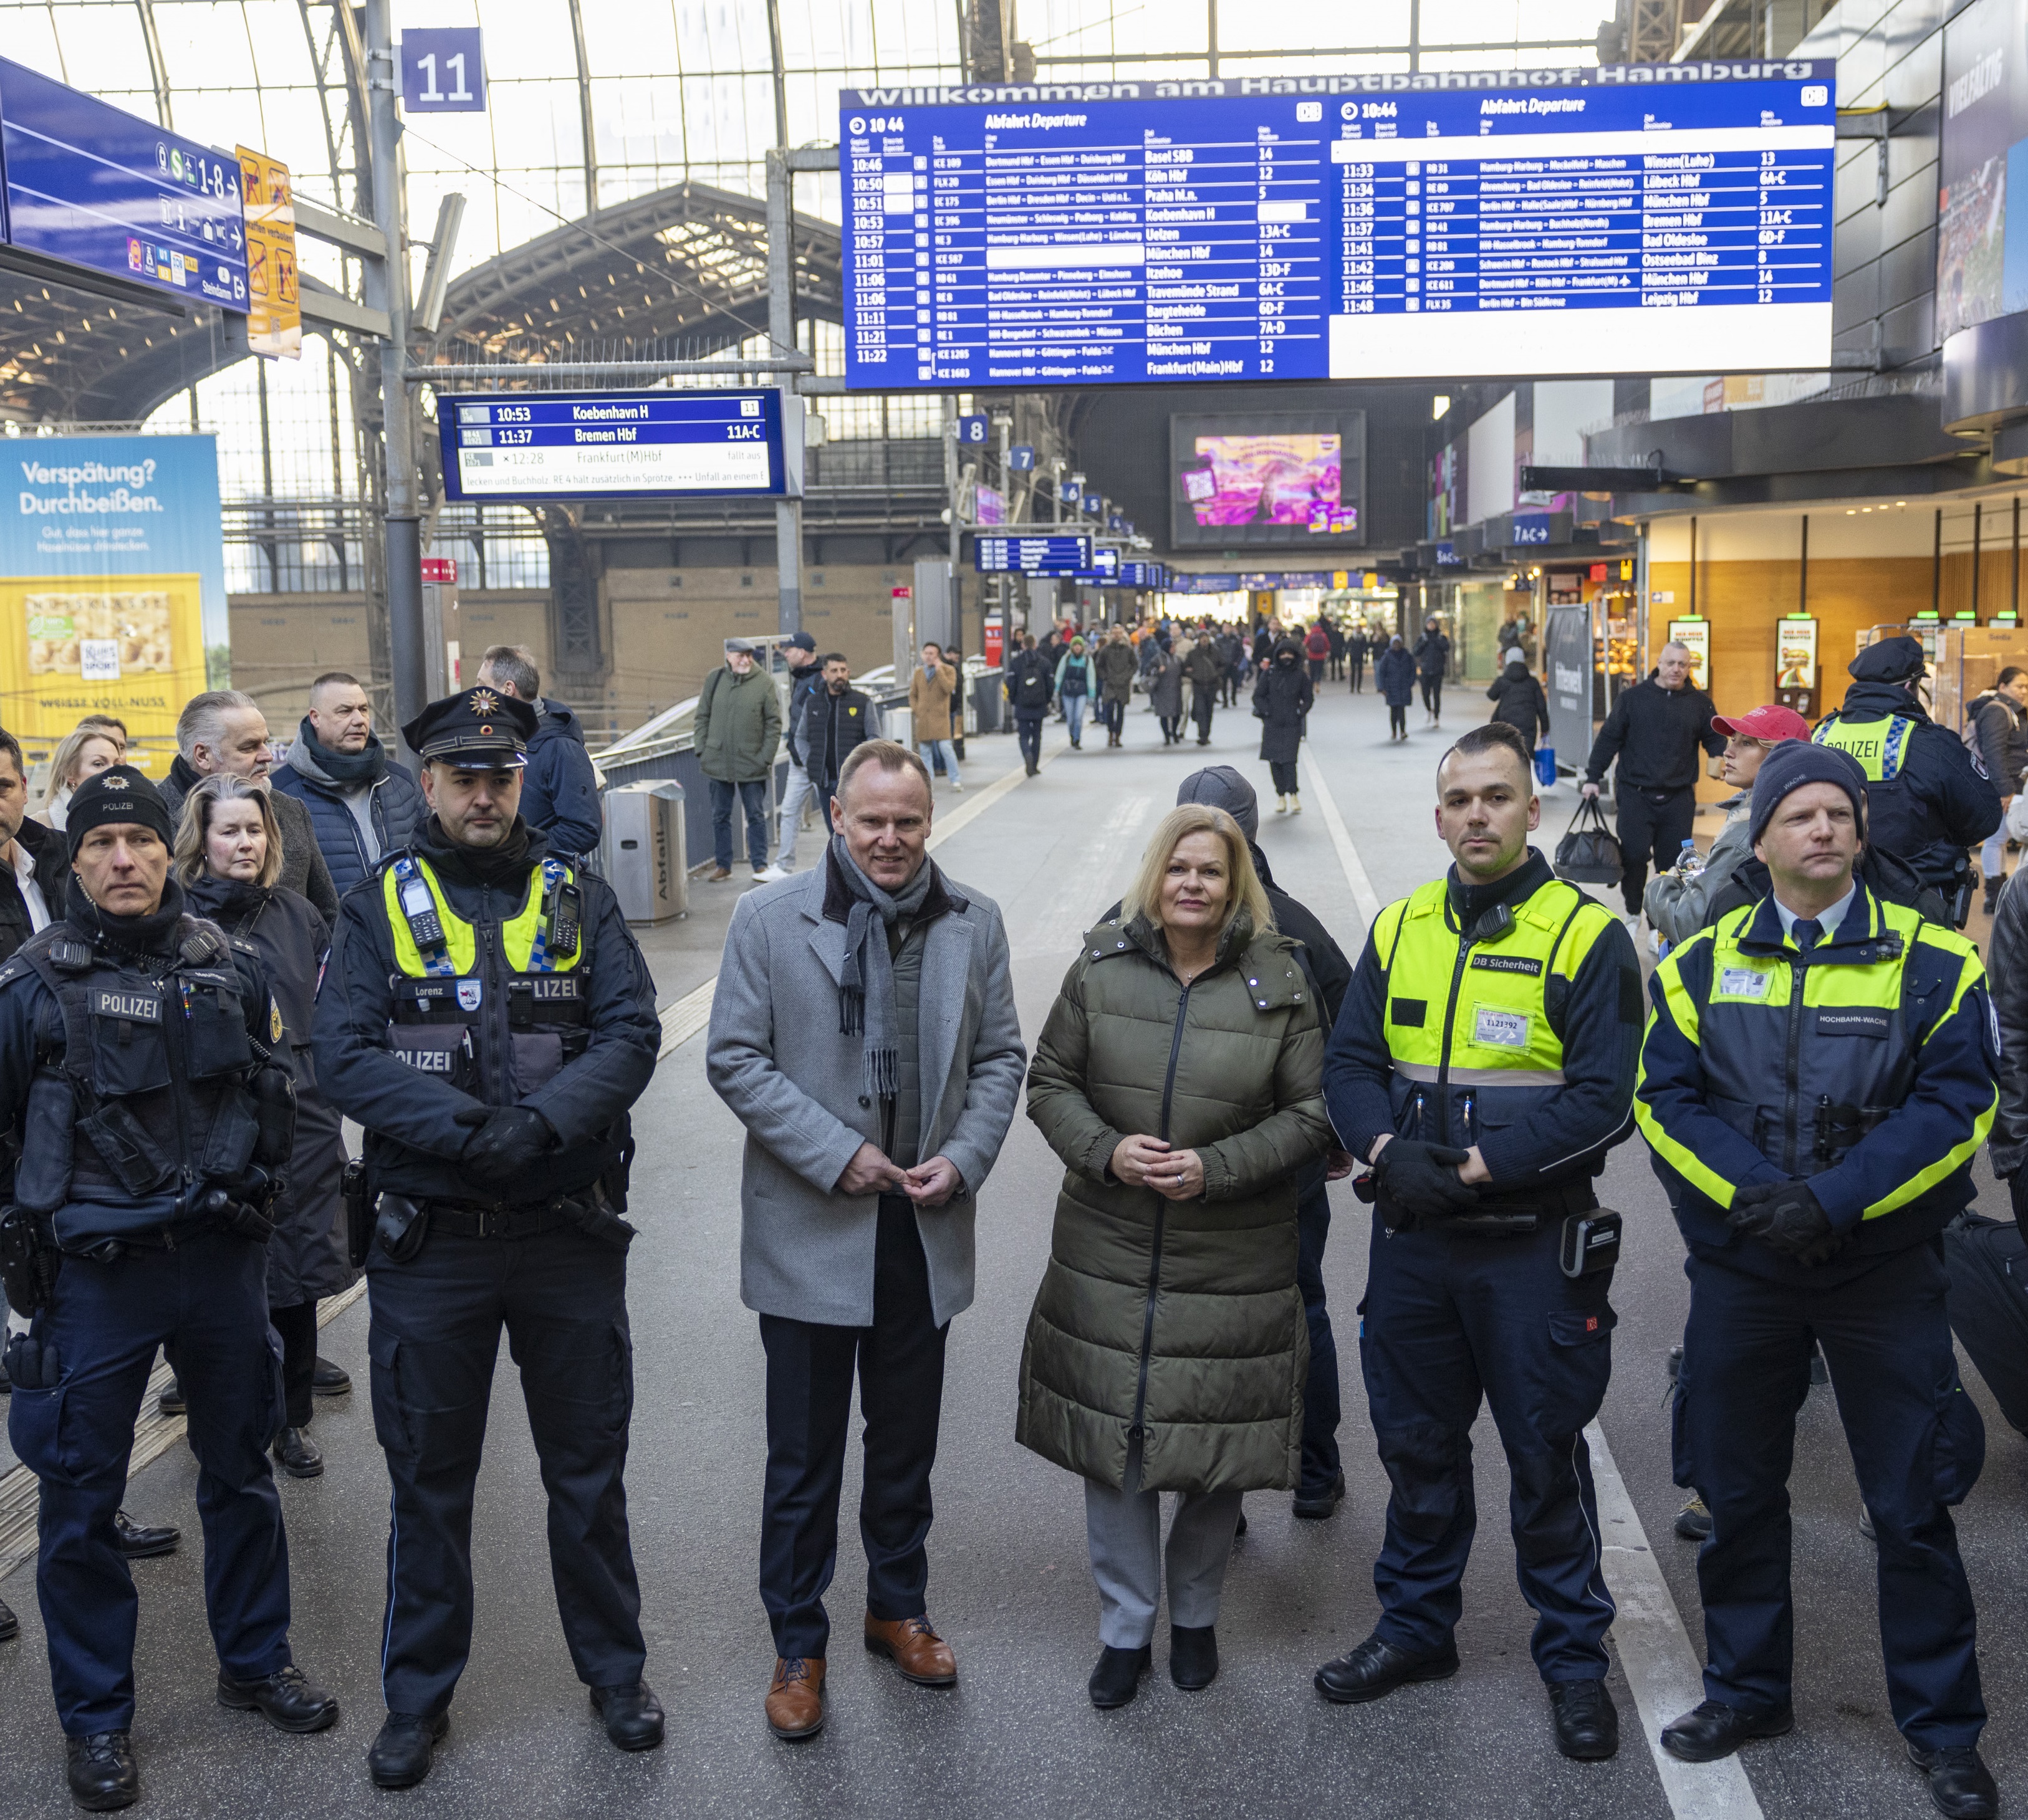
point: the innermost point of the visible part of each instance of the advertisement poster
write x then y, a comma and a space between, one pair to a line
111, 581
1981, 269
1265, 480
1796, 653
1694, 636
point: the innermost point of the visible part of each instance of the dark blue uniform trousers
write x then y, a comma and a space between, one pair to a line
1446, 1319
900, 1360
1916, 1444
1320, 1390
207, 1300
434, 1335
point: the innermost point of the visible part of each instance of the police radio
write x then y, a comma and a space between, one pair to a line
420, 909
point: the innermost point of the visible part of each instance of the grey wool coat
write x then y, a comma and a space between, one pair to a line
776, 1056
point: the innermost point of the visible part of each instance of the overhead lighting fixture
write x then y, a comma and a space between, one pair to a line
1438, 404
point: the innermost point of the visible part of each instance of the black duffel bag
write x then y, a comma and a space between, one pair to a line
1589, 854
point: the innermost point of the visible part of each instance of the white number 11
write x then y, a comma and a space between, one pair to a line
430, 91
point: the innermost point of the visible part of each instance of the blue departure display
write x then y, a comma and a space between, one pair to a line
1639, 219
613, 445
91, 186
1040, 554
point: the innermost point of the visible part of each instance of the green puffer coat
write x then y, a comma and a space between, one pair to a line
1182, 1316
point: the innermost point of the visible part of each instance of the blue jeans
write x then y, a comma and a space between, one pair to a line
934, 752
754, 796
1074, 716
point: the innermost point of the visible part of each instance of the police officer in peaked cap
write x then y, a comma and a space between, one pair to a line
1928, 796
152, 1126
487, 1017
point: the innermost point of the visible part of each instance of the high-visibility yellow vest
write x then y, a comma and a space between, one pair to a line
431, 938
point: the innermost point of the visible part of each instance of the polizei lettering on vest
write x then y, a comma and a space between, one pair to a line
133, 1007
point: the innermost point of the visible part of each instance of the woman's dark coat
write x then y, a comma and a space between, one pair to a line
306, 1257
1206, 1288
1165, 686
1517, 699
1282, 698
1394, 676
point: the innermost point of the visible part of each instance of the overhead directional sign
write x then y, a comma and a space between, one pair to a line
1039, 555
1143, 575
1356, 225
89, 185
608, 445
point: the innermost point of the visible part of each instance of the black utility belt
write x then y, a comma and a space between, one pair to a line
1487, 1223
462, 1220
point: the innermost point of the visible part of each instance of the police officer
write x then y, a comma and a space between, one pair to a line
1483, 1063
1928, 797
152, 1126
1817, 1075
487, 1017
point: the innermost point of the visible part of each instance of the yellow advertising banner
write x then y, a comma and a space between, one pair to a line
130, 645
274, 298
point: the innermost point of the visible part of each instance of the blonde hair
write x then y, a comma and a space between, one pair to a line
190, 857
1144, 896
70, 748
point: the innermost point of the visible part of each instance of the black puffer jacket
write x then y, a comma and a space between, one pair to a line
2002, 731
2006, 979
1281, 700
1517, 699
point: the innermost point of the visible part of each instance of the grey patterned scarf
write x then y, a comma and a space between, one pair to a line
866, 992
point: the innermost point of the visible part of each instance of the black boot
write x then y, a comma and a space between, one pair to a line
1117, 1677
102, 1771
1587, 1721
297, 1455
1192, 1655
401, 1756
287, 1700
1993, 888
1960, 1785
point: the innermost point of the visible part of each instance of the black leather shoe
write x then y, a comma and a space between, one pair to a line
171, 1402
1693, 1520
1375, 1669
401, 1756
286, 1700
1192, 1655
1315, 1505
1713, 1729
102, 1773
1587, 1721
633, 1715
1117, 1677
1960, 1785
330, 1380
10, 1626
140, 1541
297, 1455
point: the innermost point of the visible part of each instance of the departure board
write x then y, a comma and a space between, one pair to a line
1639, 219
613, 445
1039, 553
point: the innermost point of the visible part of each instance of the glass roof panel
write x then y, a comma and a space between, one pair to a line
30, 35
204, 46
107, 41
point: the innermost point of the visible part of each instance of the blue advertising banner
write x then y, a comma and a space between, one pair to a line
91, 186
112, 581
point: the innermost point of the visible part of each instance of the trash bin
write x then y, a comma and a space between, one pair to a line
987, 697
642, 853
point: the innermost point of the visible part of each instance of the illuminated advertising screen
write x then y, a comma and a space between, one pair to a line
1287, 478
1648, 218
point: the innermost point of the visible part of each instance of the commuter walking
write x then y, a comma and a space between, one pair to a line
1653, 732
1165, 692
1282, 700
559, 784
1334, 631
837, 721
1813, 1164
361, 804
496, 1154
1077, 677
1356, 646
1205, 670
1485, 1122
1394, 676
1030, 682
1234, 648
869, 1135
1114, 662
1177, 1078
1999, 719
1678, 907
117, 1248
1433, 657
934, 711
1928, 799
228, 857
83, 752
1518, 701
736, 730
1317, 649
223, 732
806, 679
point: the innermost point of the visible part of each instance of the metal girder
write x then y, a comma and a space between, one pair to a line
688, 264
1657, 24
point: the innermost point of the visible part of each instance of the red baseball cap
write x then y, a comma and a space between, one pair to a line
1769, 723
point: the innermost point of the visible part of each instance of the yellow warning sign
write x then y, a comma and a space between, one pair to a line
274, 305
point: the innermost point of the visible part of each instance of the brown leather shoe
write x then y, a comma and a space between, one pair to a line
922, 1656
795, 1697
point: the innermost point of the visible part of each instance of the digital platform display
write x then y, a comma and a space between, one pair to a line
1038, 555
92, 185
613, 445
1638, 219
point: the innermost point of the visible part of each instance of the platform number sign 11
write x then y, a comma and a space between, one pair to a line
443, 71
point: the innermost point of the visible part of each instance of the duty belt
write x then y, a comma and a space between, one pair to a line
464, 1220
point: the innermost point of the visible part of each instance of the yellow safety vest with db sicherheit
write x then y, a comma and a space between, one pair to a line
1474, 1016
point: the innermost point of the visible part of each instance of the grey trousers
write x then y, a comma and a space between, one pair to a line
1124, 1532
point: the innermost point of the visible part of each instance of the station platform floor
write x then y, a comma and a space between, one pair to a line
1009, 1585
